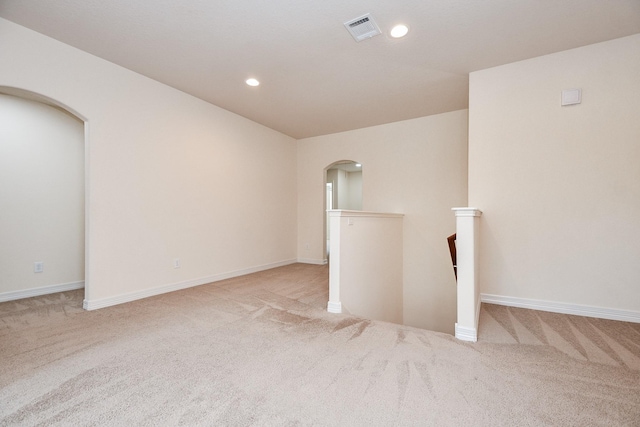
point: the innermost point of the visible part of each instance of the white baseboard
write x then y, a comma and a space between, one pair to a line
564, 308
334, 307
44, 290
466, 334
469, 334
95, 304
312, 261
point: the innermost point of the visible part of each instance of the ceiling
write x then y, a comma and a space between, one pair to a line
315, 78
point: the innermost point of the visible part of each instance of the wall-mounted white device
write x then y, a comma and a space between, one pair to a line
571, 97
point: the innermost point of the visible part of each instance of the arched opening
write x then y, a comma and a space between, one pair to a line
343, 190
43, 168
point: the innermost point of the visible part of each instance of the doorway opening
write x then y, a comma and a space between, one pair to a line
44, 151
343, 190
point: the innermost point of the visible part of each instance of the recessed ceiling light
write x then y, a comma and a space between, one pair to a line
252, 82
399, 31
358, 165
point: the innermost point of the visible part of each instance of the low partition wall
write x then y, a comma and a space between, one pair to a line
365, 264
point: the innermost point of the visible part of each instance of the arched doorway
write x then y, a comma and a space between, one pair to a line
343, 190
43, 152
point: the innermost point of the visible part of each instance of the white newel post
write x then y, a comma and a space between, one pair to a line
467, 230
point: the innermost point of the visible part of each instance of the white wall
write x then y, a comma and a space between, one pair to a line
365, 273
41, 195
559, 186
342, 190
354, 185
416, 167
169, 176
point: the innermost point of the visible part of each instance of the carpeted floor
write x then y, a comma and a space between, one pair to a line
261, 350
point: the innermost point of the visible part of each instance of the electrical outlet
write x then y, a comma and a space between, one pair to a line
176, 263
38, 267
306, 246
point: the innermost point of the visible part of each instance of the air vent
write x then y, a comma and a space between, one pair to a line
362, 28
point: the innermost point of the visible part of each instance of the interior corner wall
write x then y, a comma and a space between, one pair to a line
169, 176
559, 186
41, 196
354, 184
341, 190
416, 167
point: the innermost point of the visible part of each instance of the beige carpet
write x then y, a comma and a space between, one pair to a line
260, 350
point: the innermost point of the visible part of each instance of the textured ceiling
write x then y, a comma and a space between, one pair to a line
315, 79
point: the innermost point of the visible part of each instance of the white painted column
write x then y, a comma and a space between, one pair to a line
467, 232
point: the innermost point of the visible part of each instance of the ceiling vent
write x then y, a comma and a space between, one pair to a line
362, 28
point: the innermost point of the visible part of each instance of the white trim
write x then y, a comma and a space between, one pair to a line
44, 290
466, 334
367, 214
312, 261
466, 211
564, 308
132, 296
334, 307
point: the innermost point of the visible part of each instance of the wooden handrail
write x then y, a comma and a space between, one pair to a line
452, 249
